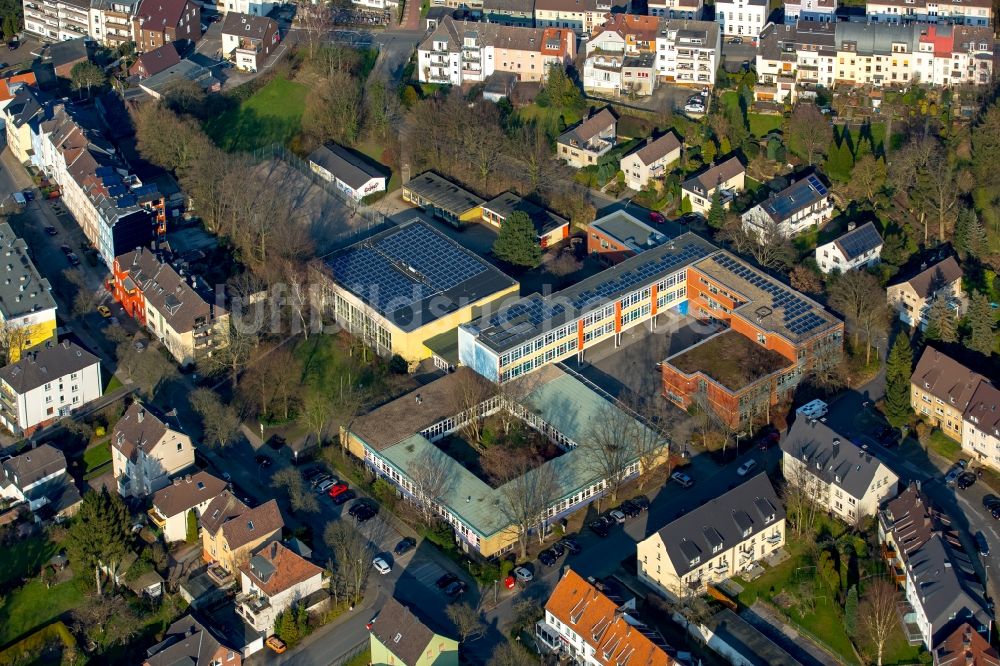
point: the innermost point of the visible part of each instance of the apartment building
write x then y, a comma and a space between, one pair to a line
159, 22
406, 636
688, 52
692, 10
801, 206
928, 561
57, 20
581, 16
180, 311
37, 477
651, 160
859, 248
190, 493
728, 177
251, 7
27, 309
248, 40
111, 21
619, 235
741, 18
625, 43
941, 389
836, 473
714, 541
231, 531
586, 625
46, 384
823, 11
456, 52
146, 451
961, 12
22, 116
586, 142
188, 641
911, 296
510, 12
273, 580
981, 425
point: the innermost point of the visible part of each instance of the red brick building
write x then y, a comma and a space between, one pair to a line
619, 235
160, 22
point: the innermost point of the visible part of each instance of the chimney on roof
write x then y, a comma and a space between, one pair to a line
141, 414
274, 549
851, 226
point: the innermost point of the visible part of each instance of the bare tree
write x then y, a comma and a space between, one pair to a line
145, 366
467, 621
85, 299
14, 339
352, 556
853, 293
800, 494
300, 498
765, 242
431, 478
316, 413
220, 422
648, 435
808, 127
878, 615
471, 390
526, 496
510, 654
316, 21
608, 446
234, 355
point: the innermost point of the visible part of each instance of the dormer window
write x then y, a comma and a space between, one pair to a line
769, 519
696, 561
747, 532
717, 548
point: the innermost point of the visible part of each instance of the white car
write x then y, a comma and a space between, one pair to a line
815, 409
682, 479
523, 575
746, 467
694, 108
381, 566
325, 486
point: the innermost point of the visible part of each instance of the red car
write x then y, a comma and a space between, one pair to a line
656, 217
337, 489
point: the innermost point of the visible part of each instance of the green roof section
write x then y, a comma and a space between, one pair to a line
445, 345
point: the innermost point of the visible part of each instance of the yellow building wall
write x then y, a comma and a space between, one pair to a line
35, 334
492, 545
441, 651
472, 215
926, 405
215, 549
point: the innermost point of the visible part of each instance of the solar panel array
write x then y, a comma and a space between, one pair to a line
859, 241
798, 315
404, 267
817, 184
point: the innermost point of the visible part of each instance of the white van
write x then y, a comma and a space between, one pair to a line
816, 409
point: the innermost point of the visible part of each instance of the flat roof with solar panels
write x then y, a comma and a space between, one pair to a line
413, 274
801, 194
768, 304
534, 314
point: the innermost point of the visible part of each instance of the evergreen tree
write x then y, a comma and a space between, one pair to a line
517, 242
981, 337
686, 205
970, 236
941, 322
192, 527
716, 212
839, 161
98, 536
851, 612
898, 370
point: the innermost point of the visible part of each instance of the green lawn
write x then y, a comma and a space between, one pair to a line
25, 558
944, 446
373, 149
363, 658
33, 606
272, 115
96, 458
762, 123
113, 384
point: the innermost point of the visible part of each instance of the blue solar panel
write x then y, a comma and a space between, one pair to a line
375, 279
431, 256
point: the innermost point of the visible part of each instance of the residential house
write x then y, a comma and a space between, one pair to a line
835, 472
624, 42
37, 476
823, 11
72, 48
351, 173
27, 309
941, 389
46, 384
188, 641
180, 311
111, 21
581, 16
688, 52
586, 142
13, 84
803, 205
22, 115
273, 580
981, 425
146, 452
231, 531
691, 10
400, 638
927, 558
961, 12
510, 12
190, 493
728, 177
859, 248
912, 297
443, 199
966, 647
249, 40
159, 85
741, 18
650, 161
153, 62
161, 21
549, 227
252, 7
588, 626
457, 52
714, 541
619, 235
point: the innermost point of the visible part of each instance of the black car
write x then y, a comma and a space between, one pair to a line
360, 505
445, 580
404, 546
312, 473
66, 249
766, 437
990, 501
12, 46
455, 589
557, 549
571, 545
365, 514
641, 501
343, 497
600, 527
51, 231
965, 480
547, 558
982, 544
29, 195
262, 460
629, 508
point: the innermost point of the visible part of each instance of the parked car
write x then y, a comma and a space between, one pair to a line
601, 527
656, 218
965, 480
325, 485
337, 489
617, 516
990, 502
747, 467
276, 644
629, 508
311, 473
547, 558
571, 545
694, 108
104, 311
357, 506
456, 589
557, 549
381, 566
366, 513
887, 436
815, 409
523, 574
405, 545
51, 231
66, 249
445, 580
73, 259
641, 501
952, 476
28, 194
682, 479
982, 544
342, 497
766, 437
736, 40
962, 462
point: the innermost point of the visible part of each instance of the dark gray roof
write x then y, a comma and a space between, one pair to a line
587, 129
345, 165
248, 25
43, 364
185, 69
26, 105
28, 467
402, 632
752, 505
855, 243
798, 196
509, 6
755, 648
655, 149
22, 289
831, 457
708, 180
629, 231
187, 642
63, 53
443, 193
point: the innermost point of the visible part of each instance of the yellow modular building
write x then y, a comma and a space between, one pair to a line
27, 309
443, 199
400, 288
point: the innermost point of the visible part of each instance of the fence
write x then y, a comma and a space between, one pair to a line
351, 653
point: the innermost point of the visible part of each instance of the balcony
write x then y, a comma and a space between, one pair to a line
773, 539
159, 520
440, 60
471, 55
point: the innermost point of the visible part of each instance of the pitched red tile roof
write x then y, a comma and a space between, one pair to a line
253, 524
274, 568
